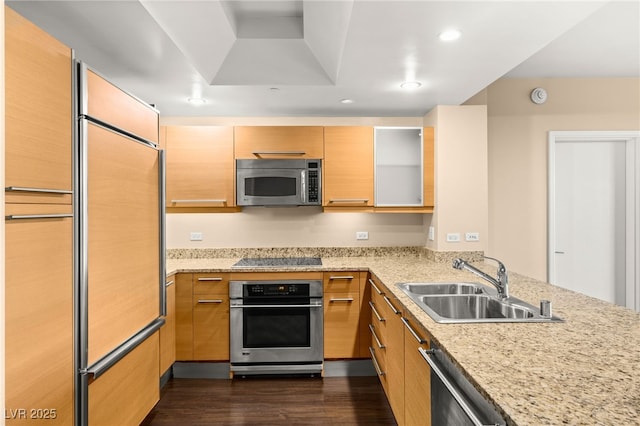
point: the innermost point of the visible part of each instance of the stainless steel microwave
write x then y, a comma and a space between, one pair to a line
295, 182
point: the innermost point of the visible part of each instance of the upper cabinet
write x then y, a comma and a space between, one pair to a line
200, 171
38, 115
398, 167
270, 142
348, 167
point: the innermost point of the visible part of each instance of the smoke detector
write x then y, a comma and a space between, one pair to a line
538, 95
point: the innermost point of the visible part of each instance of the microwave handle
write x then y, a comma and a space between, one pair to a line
303, 185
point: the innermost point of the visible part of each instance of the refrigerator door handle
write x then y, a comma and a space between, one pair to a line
109, 360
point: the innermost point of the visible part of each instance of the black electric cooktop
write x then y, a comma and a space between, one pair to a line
274, 262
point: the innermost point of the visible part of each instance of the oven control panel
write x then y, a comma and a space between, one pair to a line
253, 290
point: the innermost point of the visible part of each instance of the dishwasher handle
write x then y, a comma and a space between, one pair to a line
426, 354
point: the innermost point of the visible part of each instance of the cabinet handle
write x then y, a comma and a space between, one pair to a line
344, 299
375, 312
375, 362
169, 284
37, 216
381, 293
209, 279
373, 333
42, 190
199, 201
209, 301
341, 277
412, 331
393, 308
259, 153
349, 200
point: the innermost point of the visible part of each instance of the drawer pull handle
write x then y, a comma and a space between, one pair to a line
375, 312
42, 190
342, 299
169, 284
412, 331
393, 308
210, 279
373, 333
37, 216
349, 200
209, 301
199, 201
375, 287
375, 362
259, 153
341, 277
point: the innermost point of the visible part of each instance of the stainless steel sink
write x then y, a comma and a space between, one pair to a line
470, 302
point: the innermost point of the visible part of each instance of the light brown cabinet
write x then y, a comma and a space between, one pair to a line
200, 168
271, 142
167, 334
348, 180
341, 315
417, 376
211, 317
184, 317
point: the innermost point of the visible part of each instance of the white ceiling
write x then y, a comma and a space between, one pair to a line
301, 58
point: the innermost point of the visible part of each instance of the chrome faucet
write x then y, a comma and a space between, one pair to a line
501, 283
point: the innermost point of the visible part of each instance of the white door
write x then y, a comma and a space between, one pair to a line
592, 220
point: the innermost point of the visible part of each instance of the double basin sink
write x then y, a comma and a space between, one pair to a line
470, 303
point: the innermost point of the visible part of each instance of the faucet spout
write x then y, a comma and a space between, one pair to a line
501, 283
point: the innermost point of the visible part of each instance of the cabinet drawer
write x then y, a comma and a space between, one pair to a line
211, 327
341, 331
341, 282
211, 284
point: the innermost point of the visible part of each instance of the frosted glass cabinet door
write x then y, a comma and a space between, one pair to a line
398, 166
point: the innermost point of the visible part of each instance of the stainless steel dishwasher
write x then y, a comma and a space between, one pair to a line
454, 400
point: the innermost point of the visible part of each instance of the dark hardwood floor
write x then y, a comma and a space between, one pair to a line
272, 401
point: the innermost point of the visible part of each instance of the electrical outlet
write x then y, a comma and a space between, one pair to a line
432, 233
362, 235
196, 236
472, 236
453, 237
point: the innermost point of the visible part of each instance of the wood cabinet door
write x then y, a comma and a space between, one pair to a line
38, 113
211, 283
168, 330
270, 142
184, 317
428, 146
348, 167
341, 326
200, 166
125, 393
211, 327
123, 235
39, 368
417, 378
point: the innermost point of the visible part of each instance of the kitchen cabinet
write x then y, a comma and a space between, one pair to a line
387, 346
184, 317
211, 317
348, 168
271, 142
38, 114
167, 334
341, 315
417, 375
38, 264
200, 168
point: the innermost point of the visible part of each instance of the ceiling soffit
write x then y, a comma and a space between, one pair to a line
258, 42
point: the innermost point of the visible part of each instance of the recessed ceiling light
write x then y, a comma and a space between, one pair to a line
411, 85
449, 35
197, 101
347, 101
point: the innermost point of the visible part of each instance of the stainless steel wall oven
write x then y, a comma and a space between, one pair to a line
276, 327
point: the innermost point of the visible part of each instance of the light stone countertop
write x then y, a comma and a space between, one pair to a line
584, 371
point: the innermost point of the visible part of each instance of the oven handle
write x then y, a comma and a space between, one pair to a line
276, 306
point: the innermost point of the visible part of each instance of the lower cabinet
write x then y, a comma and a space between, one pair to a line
126, 392
417, 376
341, 315
168, 330
184, 317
